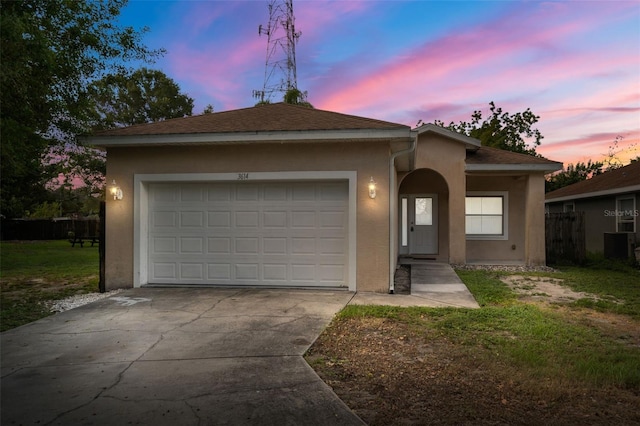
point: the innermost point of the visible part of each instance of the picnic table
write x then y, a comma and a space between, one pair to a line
81, 240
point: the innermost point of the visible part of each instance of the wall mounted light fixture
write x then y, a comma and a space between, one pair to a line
372, 188
115, 190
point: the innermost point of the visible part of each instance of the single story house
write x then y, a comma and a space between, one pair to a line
284, 195
610, 202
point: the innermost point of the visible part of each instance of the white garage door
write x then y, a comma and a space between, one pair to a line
249, 233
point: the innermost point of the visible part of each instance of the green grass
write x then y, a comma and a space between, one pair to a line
33, 272
541, 341
619, 288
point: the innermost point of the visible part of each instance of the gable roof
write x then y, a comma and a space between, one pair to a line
470, 143
624, 179
487, 158
263, 119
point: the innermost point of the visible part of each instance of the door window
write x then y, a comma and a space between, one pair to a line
424, 211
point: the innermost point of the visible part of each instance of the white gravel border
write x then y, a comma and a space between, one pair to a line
78, 300
505, 268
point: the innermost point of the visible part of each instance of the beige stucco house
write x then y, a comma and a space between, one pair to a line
283, 195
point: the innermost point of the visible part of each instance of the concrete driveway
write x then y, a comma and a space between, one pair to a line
174, 357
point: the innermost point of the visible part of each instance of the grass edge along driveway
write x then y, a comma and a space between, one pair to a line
509, 361
35, 272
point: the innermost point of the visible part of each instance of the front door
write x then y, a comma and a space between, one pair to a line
423, 224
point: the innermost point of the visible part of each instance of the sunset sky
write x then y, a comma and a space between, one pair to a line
576, 64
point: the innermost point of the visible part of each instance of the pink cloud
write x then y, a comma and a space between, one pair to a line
594, 147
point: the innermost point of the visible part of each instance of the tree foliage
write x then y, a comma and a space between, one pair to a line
50, 51
512, 132
295, 96
573, 174
144, 96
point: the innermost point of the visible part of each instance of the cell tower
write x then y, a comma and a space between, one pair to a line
280, 67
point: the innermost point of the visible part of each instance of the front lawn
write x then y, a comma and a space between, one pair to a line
513, 361
33, 272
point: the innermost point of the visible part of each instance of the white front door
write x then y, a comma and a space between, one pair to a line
423, 224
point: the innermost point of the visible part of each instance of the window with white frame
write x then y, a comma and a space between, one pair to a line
626, 214
486, 215
569, 207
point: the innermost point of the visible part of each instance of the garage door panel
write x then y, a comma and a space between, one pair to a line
247, 271
275, 193
220, 219
332, 273
303, 192
303, 245
275, 272
164, 271
164, 245
192, 193
219, 193
247, 219
232, 233
191, 245
274, 246
332, 246
191, 271
332, 192
303, 219
219, 245
247, 245
219, 272
165, 193
332, 219
302, 272
247, 192
164, 219
191, 219
274, 219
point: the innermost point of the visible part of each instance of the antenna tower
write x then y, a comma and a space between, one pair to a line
280, 66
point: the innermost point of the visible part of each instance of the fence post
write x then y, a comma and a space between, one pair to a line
101, 247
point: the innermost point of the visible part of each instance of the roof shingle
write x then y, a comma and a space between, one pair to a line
263, 118
490, 155
623, 177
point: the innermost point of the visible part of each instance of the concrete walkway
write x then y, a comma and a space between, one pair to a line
174, 357
433, 285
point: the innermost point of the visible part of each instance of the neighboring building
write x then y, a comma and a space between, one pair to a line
283, 195
610, 202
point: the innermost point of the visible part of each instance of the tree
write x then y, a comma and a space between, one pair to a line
50, 51
512, 132
118, 100
572, 174
208, 109
144, 96
295, 96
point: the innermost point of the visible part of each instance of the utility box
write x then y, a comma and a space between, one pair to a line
616, 245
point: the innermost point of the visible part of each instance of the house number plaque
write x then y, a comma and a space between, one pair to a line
243, 176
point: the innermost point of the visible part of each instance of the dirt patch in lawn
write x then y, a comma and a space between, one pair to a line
390, 373
544, 289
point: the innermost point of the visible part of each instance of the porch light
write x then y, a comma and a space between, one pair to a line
372, 188
115, 190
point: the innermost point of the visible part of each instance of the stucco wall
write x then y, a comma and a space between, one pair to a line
368, 159
447, 157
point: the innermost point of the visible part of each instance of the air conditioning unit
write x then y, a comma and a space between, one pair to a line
618, 245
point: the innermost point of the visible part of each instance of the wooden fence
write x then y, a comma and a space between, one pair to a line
565, 237
44, 229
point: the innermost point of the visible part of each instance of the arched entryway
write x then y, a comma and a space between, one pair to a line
423, 213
